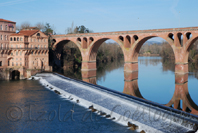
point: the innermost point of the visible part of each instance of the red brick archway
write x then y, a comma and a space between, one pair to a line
131, 41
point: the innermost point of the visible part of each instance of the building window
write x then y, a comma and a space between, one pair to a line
11, 53
5, 37
20, 53
20, 58
0, 63
21, 39
38, 46
17, 38
14, 38
32, 46
20, 64
20, 46
1, 37
10, 38
17, 58
1, 46
38, 34
6, 27
12, 28
1, 28
17, 64
16, 46
12, 63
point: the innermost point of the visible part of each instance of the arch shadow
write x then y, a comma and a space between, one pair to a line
15, 75
58, 53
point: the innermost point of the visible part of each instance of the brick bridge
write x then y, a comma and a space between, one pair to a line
180, 39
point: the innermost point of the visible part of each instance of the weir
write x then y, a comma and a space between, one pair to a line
121, 108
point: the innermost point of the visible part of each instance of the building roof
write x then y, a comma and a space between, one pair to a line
3, 20
25, 33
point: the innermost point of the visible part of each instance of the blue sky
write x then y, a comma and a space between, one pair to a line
103, 15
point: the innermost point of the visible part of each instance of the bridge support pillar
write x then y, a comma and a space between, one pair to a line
182, 93
130, 76
88, 65
89, 71
89, 75
181, 68
131, 84
130, 66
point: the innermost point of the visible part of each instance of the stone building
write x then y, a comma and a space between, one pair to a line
6, 29
25, 54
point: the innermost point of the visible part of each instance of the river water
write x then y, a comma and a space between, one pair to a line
156, 79
26, 106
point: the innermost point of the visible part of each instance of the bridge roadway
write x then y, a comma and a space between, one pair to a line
148, 116
180, 40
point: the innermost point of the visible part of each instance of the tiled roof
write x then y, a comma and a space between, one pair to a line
3, 20
17, 34
25, 33
28, 32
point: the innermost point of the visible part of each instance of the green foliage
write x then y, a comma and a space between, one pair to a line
108, 52
77, 29
47, 29
82, 29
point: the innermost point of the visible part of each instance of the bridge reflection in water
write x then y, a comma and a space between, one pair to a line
181, 93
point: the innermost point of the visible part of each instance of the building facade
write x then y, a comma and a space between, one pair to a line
23, 54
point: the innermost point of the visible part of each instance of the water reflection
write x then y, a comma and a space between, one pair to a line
181, 94
166, 87
146, 61
131, 88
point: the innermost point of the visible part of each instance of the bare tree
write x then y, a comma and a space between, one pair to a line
72, 29
40, 26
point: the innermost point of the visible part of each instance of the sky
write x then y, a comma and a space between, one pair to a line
103, 15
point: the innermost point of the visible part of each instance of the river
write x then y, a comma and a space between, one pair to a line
156, 78
26, 106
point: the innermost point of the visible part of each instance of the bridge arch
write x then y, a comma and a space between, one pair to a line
140, 41
58, 60
93, 48
60, 44
189, 43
